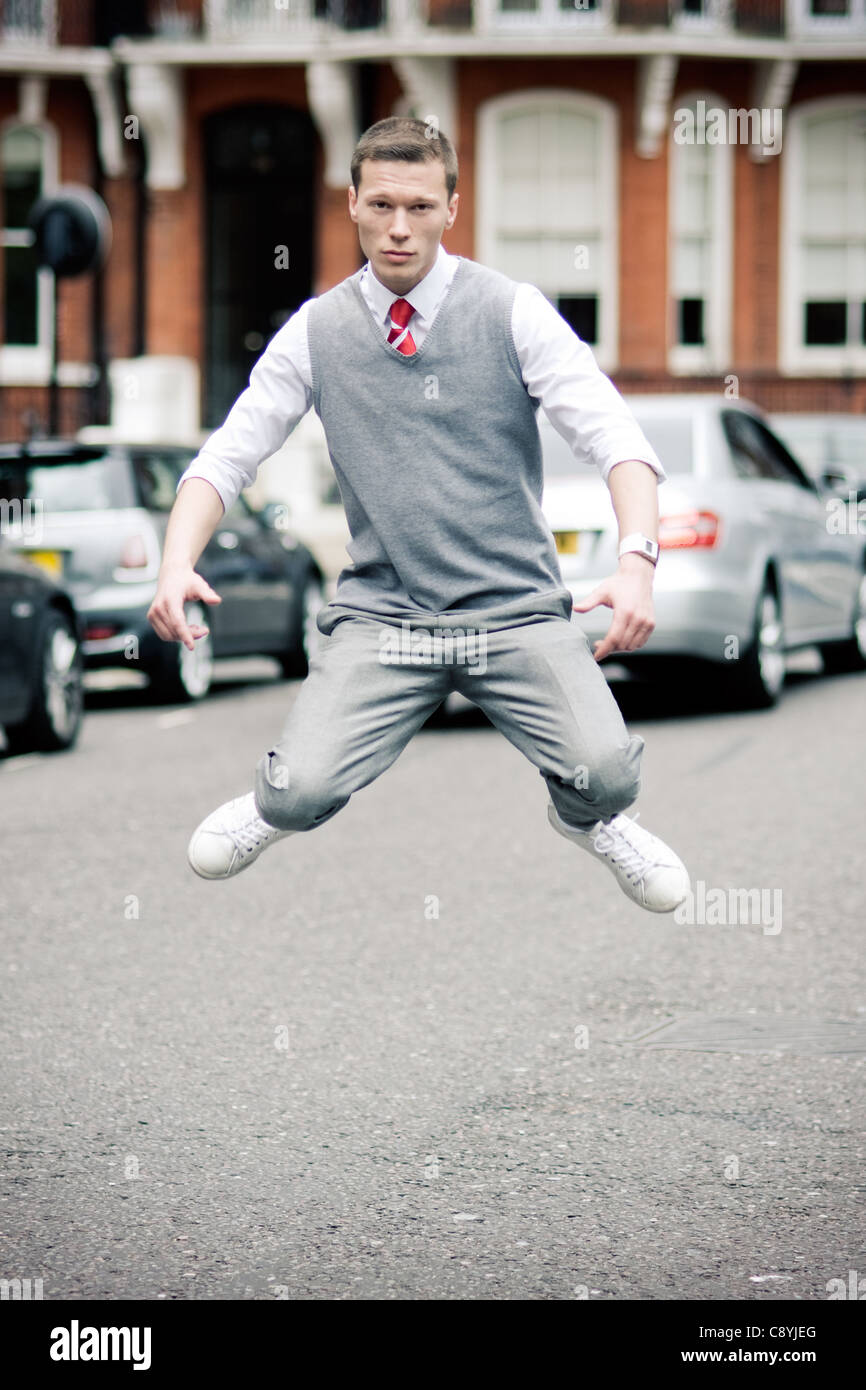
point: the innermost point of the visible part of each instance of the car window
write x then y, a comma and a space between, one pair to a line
672, 437
810, 442
156, 479
99, 484
757, 453
749, 452
784, 465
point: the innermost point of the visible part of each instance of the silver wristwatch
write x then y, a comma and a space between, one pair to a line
640, 543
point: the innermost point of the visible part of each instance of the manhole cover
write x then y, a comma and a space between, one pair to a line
754, 1033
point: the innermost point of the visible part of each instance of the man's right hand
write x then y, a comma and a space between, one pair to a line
166, 616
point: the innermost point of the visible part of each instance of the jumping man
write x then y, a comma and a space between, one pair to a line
427, 371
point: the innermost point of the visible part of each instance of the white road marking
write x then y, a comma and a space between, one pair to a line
174, 718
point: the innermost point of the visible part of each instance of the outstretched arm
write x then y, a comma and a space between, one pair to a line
258, 423
194, 517
634, 491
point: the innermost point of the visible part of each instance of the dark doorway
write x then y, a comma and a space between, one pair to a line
259, 162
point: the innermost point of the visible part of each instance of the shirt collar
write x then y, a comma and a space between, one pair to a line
423, 298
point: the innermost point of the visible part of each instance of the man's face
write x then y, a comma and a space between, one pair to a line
401, 208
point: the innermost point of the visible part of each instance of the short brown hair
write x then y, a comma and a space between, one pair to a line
407, 138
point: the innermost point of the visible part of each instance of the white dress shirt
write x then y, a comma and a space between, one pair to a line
558, 368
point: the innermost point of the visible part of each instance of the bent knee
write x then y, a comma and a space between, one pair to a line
604, 788
294, 798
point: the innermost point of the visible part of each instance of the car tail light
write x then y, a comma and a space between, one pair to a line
133, 556
688, 530
100, 632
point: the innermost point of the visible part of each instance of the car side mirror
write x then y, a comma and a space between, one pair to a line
839, 480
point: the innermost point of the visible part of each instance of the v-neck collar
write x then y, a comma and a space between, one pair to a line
383, 342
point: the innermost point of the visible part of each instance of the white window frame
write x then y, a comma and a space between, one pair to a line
801, 22
20, 364
606, 349
548, 15
715, 354
795, 357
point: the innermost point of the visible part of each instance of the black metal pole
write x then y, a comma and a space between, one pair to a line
53, 394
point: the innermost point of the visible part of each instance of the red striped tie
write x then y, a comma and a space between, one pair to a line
401, 312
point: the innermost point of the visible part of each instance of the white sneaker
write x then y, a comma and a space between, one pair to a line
648, 871
230, 838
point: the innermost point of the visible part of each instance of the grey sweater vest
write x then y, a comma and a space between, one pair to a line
438, 461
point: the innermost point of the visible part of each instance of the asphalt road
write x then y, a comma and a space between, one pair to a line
410, 1054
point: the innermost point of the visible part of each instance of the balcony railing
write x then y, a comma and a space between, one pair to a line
253, 19
249, 19
739, 16
28, 22
765, 18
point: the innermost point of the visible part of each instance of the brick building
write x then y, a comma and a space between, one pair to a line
685, 179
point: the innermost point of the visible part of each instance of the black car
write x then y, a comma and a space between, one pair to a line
103, 514
41, 666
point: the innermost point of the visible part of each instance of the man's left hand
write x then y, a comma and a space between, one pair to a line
629, 594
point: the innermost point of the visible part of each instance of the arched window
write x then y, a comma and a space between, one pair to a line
700, 209
546, 204
27, 170
823, 263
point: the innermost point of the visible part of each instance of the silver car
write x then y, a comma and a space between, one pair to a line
754, 560
832, 448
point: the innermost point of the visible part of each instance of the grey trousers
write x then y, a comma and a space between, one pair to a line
372, 684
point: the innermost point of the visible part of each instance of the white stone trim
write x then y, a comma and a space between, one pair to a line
103, 88
156, 96
18, 370
430, 89
655, 84
332, 95
772, 84
65, 60
32, 98
384, 44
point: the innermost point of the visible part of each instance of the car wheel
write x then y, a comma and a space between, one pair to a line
839, 657
183, 675
54, 719
306, 636
758, 677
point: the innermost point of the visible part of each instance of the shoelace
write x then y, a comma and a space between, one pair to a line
611, 842
248, 837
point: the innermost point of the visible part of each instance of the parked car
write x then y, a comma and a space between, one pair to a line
104, 511
749, 568
831, 448
41, 666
